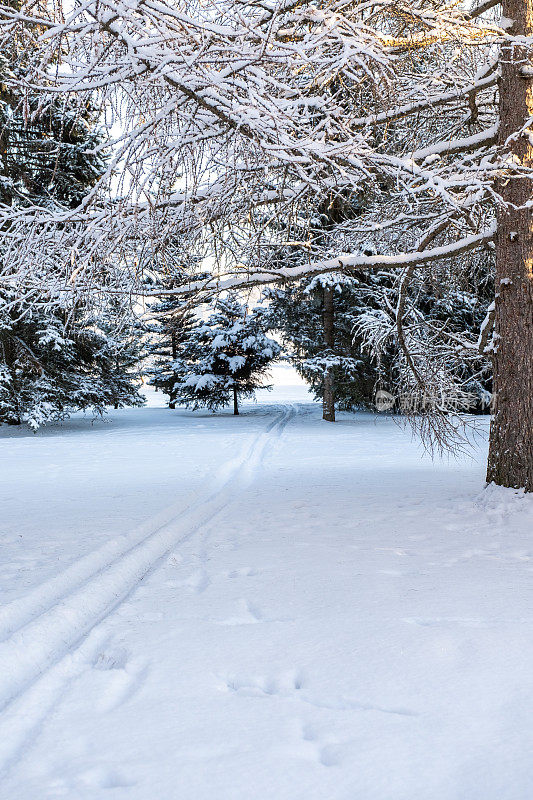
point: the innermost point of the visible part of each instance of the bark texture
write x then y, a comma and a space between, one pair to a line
235, 402
328, 401
510, 460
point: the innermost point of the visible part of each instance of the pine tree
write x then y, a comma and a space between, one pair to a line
53, 362
172, 322
224, 359
297, 313
47, 154
119, 351
56, 354
366, 302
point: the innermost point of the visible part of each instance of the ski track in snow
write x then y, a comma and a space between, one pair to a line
19, 612
49, 636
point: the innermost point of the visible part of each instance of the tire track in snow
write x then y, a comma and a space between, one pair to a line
43, 647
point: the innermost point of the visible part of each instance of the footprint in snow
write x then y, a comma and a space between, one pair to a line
245, 572
330, 755
314, 746
198, 581
285, 685
105, 778
116, 678
291, 685
114, 658
250, 615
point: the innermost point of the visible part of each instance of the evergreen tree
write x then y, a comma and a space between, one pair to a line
119, 351
172, 323
224, 359
56, 355
47, 155
53, 362
364, 302
297, 313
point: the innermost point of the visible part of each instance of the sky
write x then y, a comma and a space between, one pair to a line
285, 375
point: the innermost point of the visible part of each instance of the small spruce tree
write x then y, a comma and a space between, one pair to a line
172, 322
224, 359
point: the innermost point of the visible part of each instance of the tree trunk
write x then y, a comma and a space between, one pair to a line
174, 344
235, 401
510, 460
328, 401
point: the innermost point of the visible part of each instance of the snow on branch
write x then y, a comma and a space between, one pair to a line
239, 127
345, 264
466, 144
430, 102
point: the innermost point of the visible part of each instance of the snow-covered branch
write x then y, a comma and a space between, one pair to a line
344, 264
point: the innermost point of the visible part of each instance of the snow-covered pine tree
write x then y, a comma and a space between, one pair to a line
172, 322
56, 353
47, 154
52, 363
365, 353
226, 358
297, 313
167, 334
119, 350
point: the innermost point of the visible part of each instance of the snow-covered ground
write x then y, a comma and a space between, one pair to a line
269, 607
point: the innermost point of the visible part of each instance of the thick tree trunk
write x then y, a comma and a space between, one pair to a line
328, 401
235, 401
511, 439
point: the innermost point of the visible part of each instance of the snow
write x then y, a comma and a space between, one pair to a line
432, 153
347, 261
206, 607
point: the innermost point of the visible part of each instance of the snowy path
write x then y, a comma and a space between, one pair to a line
37, 630
325, 615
